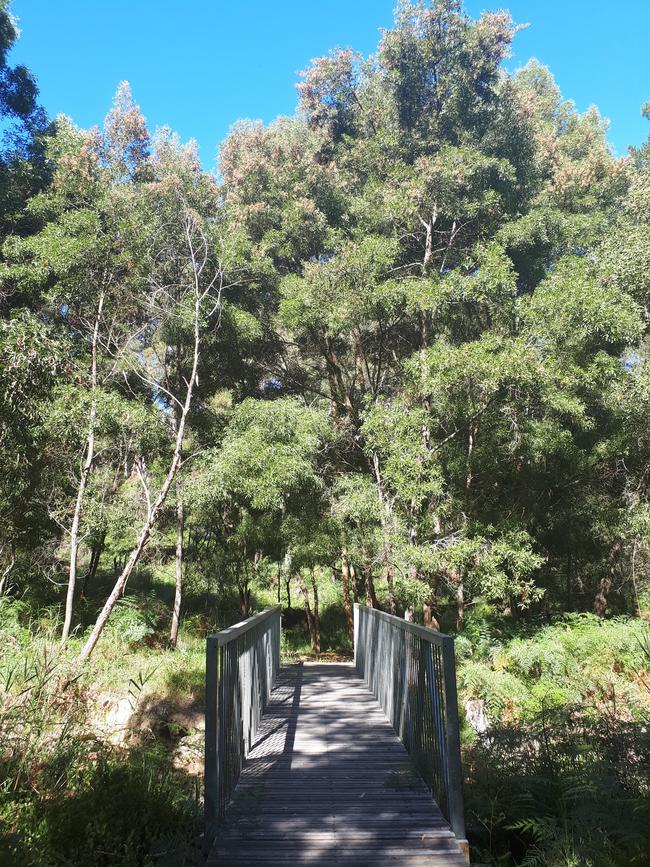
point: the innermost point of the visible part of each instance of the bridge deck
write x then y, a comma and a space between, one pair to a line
328, 782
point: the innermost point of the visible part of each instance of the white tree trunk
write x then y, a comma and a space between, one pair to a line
4, 578
178, 593
83, 481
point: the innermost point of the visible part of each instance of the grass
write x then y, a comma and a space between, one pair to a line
76, 788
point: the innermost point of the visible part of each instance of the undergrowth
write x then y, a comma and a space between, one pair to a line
561, 776
70, 794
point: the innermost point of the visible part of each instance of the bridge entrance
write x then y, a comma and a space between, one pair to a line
333, 763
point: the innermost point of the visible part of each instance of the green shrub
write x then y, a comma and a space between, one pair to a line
561, 776
581, 658
66, 796
560, 792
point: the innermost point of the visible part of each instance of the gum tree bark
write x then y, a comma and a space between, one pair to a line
347, 602
386, 518
313, 620
178, 592
85, 475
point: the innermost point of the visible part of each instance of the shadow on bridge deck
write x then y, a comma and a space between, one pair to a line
329, 782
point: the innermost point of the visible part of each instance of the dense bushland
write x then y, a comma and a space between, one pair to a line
396, 352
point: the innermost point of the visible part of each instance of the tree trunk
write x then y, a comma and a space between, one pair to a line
392, 602
605, 584
314, 637
347, 602
386, 517
316, 613
429, 617
514, 609
460, 602
83, 481
4, 578
429, 608
95, 557
335, 375
371, 597
178, 592
361, 362
355, 584
244, 601
154, 510
288, 583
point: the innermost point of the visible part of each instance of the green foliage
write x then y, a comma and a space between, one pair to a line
580, 660
269, 451
560, 791
136, 620
558, 777
67, 794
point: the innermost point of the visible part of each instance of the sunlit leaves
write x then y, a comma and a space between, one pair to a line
341, 290
269, 452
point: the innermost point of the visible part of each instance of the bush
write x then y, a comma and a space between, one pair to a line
66, 796
561, 776
559, 791
581, 658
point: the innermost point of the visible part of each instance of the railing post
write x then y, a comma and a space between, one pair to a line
452, 729
278, 648
211, 774
356, 631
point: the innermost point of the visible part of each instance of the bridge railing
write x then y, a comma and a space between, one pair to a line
242, 663
411, 671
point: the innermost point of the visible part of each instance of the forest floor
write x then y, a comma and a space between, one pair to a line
104, 767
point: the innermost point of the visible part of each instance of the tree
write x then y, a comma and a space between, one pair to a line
33, 357
434, 304
23, 164
80, 261
190, 252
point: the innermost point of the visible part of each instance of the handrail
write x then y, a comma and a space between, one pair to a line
411, 671
242, 663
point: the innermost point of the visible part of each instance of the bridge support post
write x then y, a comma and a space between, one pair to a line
452, 731
211, 774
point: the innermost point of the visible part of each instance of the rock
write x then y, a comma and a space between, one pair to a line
475, 715
113, 717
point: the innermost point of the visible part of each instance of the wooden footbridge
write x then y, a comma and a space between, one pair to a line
333, 763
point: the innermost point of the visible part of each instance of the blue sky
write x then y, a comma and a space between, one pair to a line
199, 66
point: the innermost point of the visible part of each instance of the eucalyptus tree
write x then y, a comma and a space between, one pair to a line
32, 360
81, 267
171, 356
24, 167
184, 258
403, 337
18, 89
457, 217
417, 172
265, 484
